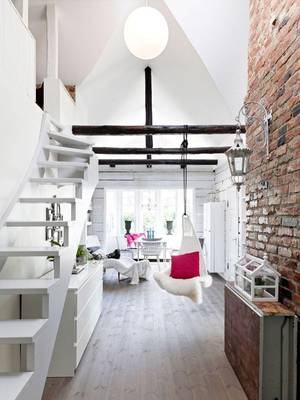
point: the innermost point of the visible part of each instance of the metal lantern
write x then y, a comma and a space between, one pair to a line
238, 158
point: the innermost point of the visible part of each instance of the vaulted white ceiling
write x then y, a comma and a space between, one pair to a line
218, 30
201, 77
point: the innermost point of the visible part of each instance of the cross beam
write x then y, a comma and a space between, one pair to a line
141, 151
112, 162
140, 130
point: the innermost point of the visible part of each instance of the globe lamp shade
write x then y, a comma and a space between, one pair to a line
146, 33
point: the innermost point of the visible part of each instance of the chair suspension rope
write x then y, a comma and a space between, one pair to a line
184, 146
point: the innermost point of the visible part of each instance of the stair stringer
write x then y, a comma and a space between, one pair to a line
44, 346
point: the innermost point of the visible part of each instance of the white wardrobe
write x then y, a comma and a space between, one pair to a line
214, 236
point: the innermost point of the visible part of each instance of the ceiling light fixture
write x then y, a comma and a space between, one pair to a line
146, 33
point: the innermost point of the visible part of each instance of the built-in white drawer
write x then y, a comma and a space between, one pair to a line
89, 327
83, 294
81, 313
91, 308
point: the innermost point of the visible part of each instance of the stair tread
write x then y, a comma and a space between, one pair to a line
47, 200
20, 223
20, 331
56, 180
68, 139
62, 164
30, 251
12, 384
68, 150
27, 286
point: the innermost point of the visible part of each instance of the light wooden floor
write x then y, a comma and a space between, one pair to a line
149, 345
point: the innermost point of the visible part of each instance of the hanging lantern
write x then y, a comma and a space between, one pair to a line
238, 159
146, 33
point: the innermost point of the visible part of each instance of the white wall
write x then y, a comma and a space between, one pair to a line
17, 50
20, 118
20, 121
61, 106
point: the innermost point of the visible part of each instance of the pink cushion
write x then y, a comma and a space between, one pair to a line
185, 266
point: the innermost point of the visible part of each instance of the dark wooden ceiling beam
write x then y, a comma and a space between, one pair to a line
159, 151
157, 162
122, 130
148, 109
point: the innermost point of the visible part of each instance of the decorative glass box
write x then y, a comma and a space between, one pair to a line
256, 279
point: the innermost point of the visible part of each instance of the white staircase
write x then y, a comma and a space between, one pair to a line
59, 154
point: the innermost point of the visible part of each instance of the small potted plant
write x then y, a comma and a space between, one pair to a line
82, 255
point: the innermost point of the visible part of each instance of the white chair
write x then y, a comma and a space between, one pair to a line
192, 287
152, 248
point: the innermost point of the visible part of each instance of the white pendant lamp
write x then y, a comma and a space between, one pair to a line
146, 33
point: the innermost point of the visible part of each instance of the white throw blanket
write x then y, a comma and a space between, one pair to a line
128, 267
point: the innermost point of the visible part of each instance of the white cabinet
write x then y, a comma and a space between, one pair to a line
214, 236
81, 312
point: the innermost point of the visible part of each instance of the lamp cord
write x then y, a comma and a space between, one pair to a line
184, 146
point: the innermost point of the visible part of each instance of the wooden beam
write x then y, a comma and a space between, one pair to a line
148, 109
156, 162
135, 150
124, 130
148, 97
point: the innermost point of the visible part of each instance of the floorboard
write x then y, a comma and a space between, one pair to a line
149, 345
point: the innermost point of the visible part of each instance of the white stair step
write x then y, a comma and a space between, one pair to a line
11, 385
36, 223
30, 251
57, 181
24, 224
67, 151
61, 182
27, 286
57, 200
42, 200
63, 164
35, 252
68, 140
21, 331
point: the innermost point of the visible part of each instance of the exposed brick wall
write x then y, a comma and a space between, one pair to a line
273, 214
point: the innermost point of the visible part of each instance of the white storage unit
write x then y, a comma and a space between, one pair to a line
81, 313
214, 236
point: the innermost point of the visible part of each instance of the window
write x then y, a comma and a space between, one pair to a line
160, 210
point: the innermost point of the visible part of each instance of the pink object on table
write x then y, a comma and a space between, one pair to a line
185, 266
133, 237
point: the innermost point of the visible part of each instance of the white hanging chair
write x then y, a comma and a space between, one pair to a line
192, 287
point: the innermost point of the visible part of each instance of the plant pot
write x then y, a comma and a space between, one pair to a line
81, 260
169, 227
128, 226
